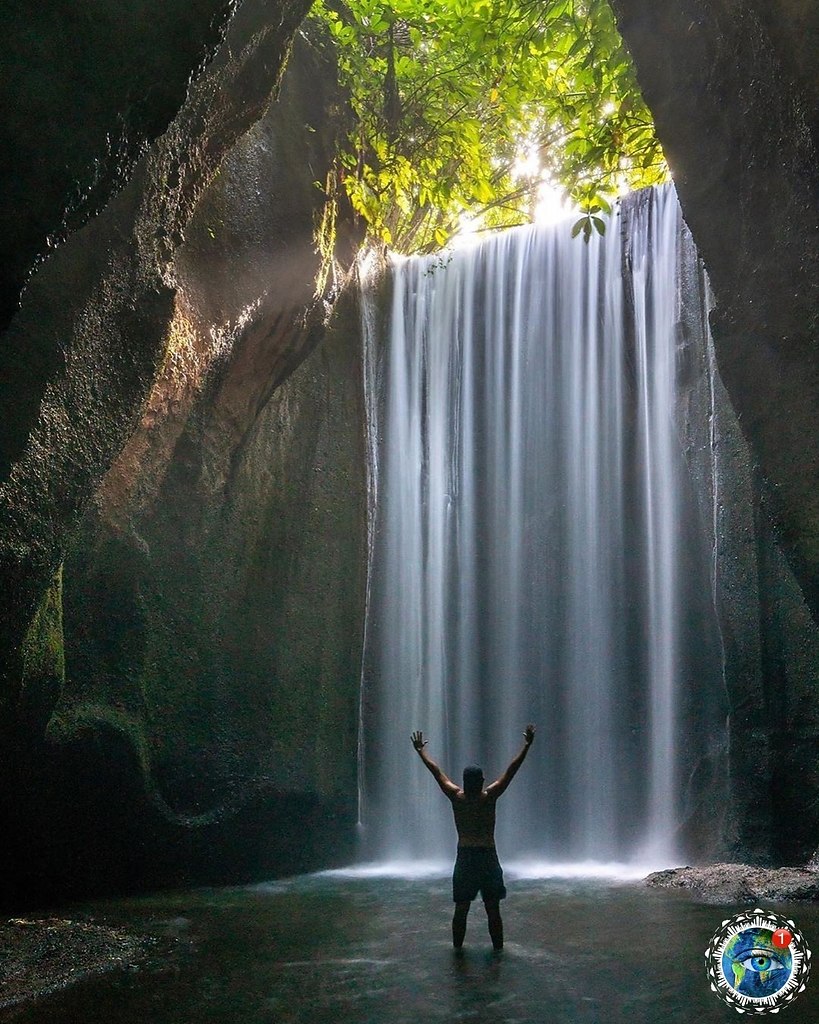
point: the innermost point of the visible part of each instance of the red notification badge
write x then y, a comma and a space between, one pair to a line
782, 938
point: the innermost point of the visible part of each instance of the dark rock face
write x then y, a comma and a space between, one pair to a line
793, 27
202, 722
105, 301
183, 539
85, 87
213, 647
763, 769
734, 105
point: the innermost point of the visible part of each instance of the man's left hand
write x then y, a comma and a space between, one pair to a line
418, 741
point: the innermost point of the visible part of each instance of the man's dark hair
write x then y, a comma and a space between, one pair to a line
473, 779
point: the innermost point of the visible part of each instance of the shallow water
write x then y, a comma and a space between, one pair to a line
331, 949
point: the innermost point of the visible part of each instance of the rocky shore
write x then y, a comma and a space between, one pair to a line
740, 883
41, 956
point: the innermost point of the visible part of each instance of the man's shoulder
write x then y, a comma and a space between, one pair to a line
484, 798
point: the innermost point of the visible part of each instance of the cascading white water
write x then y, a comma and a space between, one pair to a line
526, 553
656, 313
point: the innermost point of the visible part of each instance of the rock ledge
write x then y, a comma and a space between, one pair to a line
740, 883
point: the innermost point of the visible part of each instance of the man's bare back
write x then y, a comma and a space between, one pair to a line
474, 818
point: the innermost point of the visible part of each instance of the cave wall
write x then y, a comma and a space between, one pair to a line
192, 678
761, 777
733, 88
218, 641
771, 643
182, 535
106, 303
85, 87
733, 101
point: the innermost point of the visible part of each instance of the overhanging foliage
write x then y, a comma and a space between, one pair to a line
468, 106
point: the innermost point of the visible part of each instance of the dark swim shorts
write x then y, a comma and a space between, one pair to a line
477, 869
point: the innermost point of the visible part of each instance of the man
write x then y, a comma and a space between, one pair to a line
476, 868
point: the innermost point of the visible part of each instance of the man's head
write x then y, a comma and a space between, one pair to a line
473, 779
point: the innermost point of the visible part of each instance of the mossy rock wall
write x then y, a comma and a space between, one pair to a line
189, 711
222, 648
179, 703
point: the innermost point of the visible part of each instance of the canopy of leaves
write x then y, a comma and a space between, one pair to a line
449, 95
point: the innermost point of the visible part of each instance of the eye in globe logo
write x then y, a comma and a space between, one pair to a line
758, 962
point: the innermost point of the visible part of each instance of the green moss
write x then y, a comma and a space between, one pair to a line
87, 720
43, 650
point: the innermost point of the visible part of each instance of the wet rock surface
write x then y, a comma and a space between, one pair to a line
740, 883
87, 87
201, 493
106, 304
733, 100
42, 956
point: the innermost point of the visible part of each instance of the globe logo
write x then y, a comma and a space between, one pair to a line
752, 965
758, 962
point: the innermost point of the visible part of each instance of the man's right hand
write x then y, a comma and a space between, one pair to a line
418, 741
528, 735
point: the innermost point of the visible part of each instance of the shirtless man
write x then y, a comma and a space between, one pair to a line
477, 867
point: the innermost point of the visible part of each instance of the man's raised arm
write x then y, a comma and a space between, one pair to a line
447, 785
500, 784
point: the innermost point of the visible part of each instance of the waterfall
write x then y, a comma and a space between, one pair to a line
528, 540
